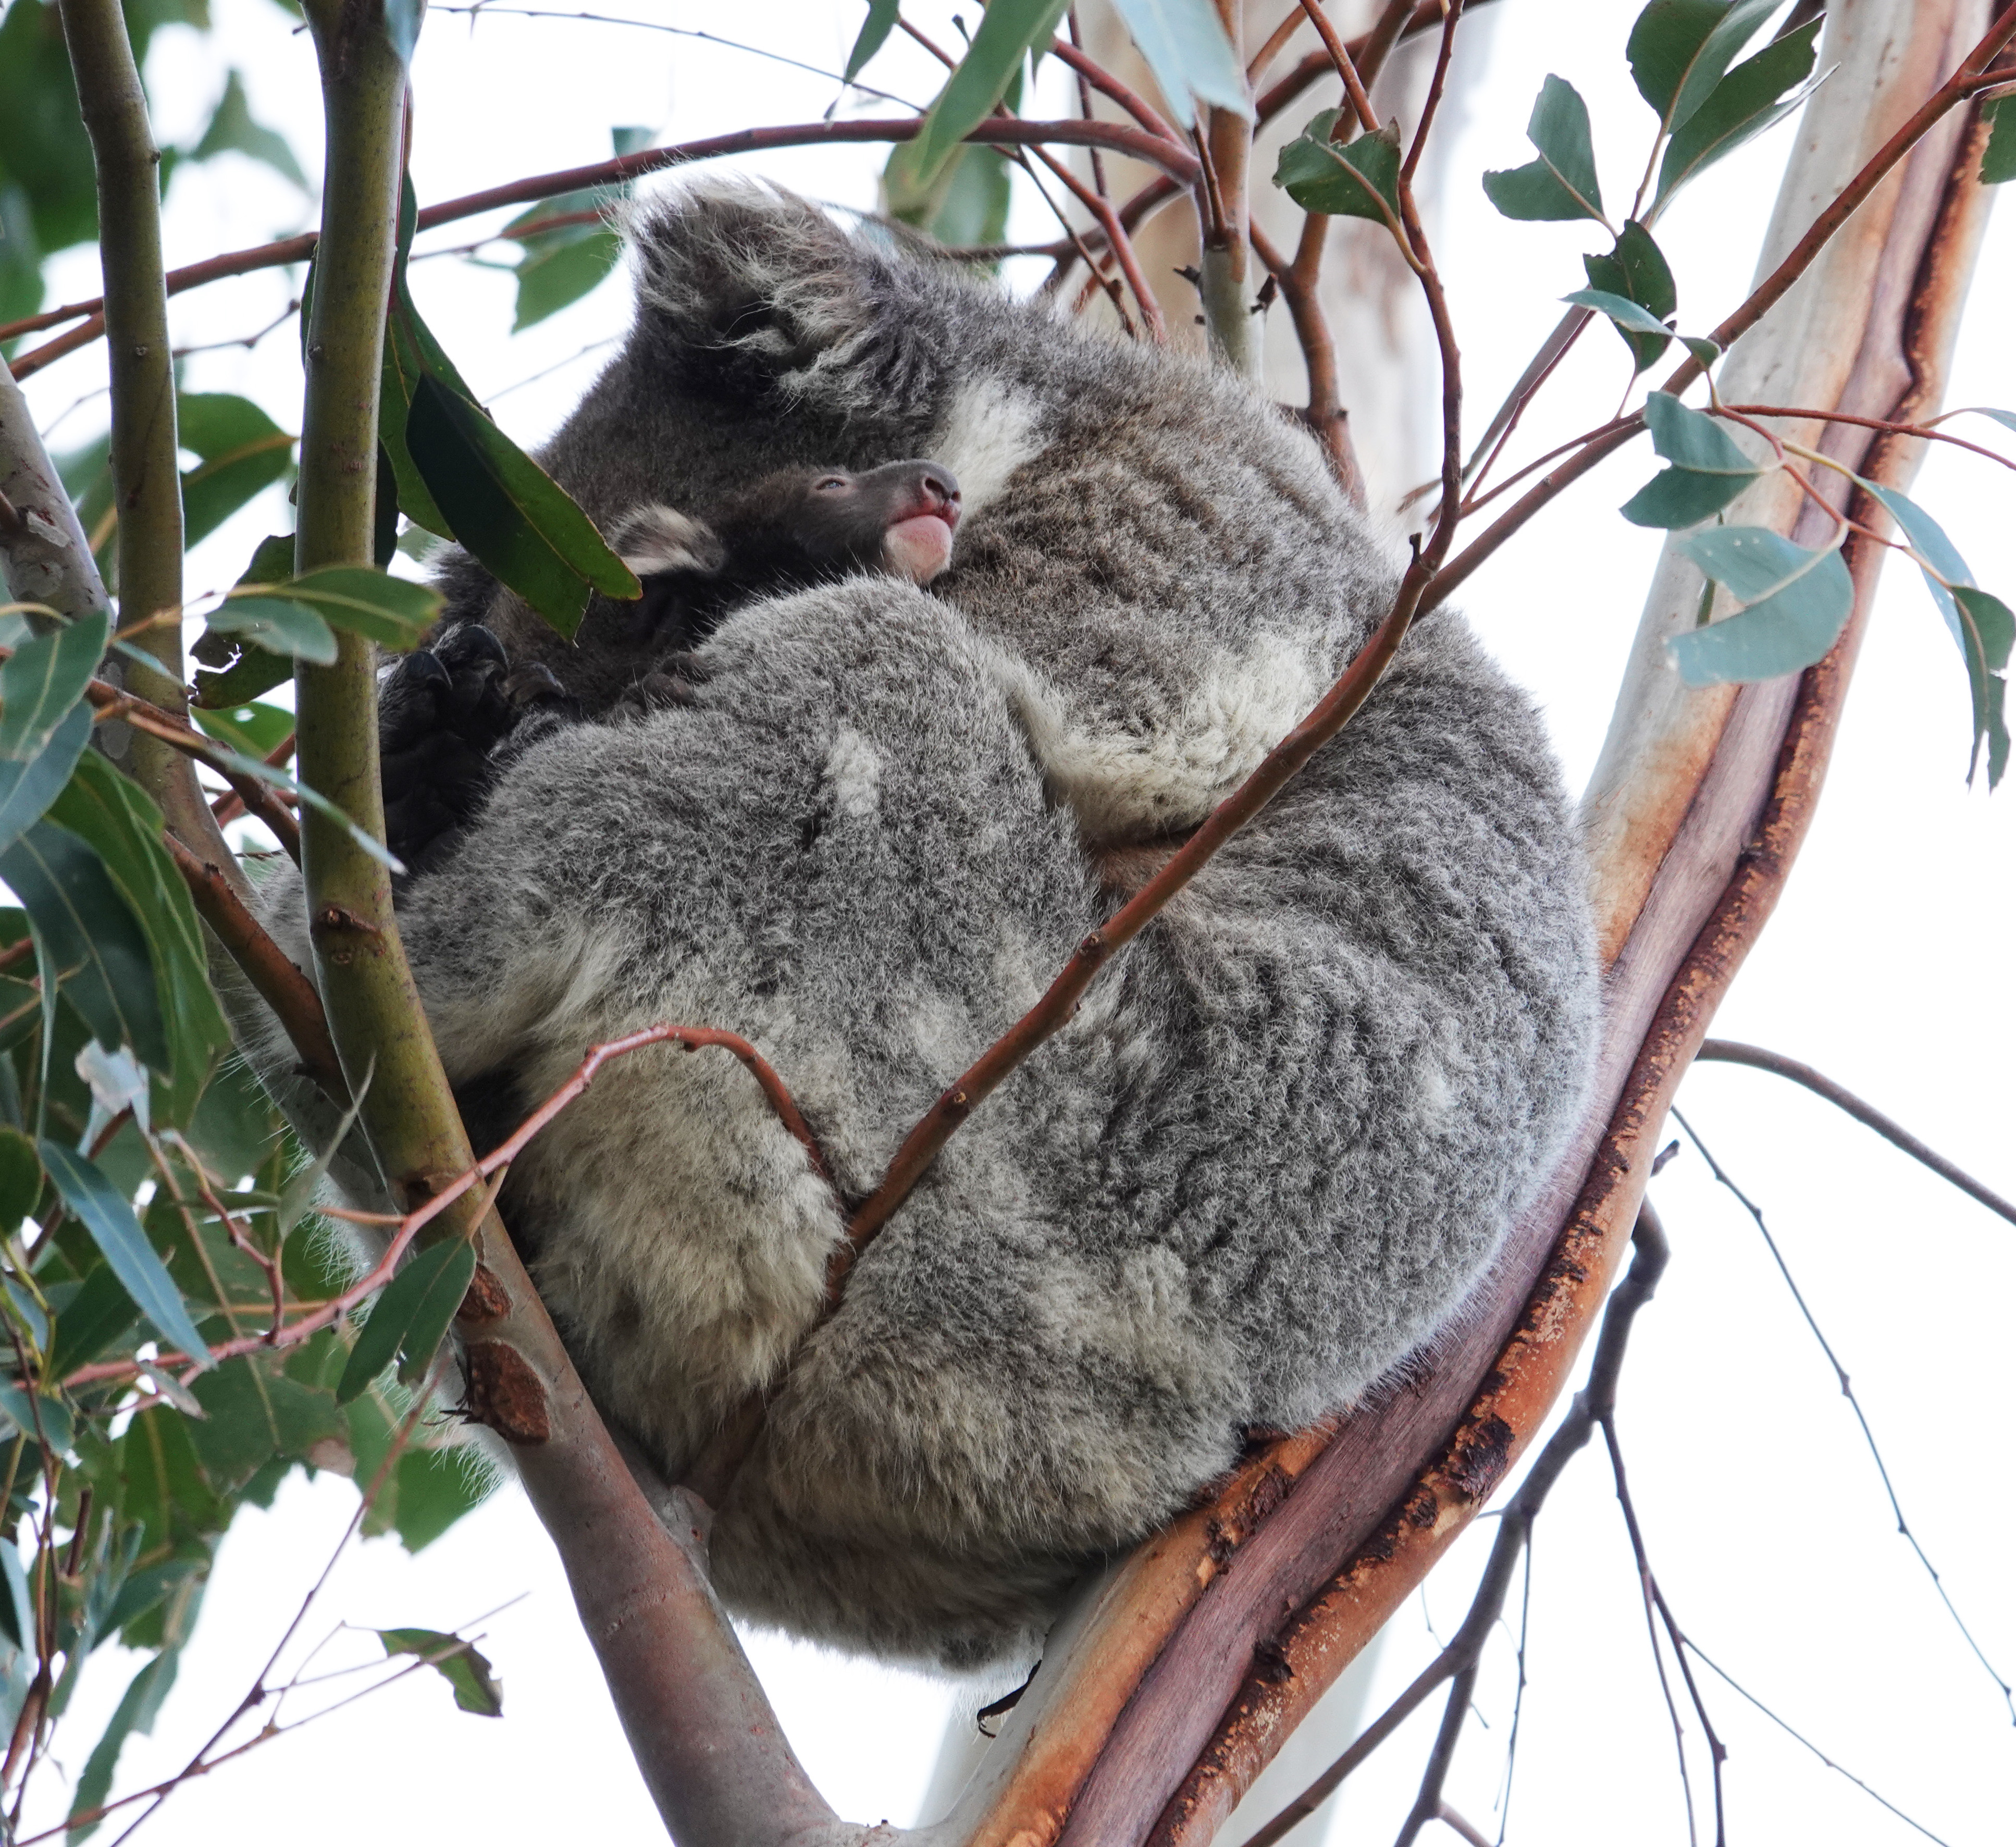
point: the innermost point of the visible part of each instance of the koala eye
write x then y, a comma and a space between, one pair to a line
832, 484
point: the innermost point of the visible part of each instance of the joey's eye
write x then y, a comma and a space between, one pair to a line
831, 484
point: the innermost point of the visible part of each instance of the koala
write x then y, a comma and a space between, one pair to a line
445, 711
1281, 1135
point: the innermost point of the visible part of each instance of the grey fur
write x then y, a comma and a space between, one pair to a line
1279, 1141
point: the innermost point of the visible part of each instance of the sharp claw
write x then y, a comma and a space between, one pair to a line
470, 643
532, 684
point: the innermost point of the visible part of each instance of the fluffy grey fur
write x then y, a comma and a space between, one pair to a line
1279, 1138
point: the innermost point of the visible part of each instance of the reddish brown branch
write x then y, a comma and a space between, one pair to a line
1733, 1052
1109, 86
1298, 282
1342, 61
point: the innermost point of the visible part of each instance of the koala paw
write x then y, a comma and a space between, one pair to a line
443, 713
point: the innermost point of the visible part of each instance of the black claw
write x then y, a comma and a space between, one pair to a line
470, 643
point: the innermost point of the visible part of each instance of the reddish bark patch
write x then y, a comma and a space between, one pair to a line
505, 1395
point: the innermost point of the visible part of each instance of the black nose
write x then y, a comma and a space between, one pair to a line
940, 485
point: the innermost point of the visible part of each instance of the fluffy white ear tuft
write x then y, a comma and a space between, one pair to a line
655, 538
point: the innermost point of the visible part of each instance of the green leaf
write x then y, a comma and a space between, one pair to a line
1998, 159
242, 451
257, 729
248, 671
456, 1661
38, 1415
1708, 469
43, 679
509, 514
967, 203
233, 130
981, 79
277, 625
27, 789
875, 30
103, 1212
164, 1486
20, 1179
1636, 271
137, 1708
253, 1412
115, 818
1980, 624
100, 1313
87, 937
1750, 99
408, 1317
1620, 308
1184, 44
1796, 603
1561, 183
434, 1489
556, 275
1355, 179
395, 612
1679, 50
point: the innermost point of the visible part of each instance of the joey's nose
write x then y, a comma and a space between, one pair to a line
940, 489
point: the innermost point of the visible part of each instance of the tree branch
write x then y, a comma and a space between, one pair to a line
1733, 1052
44, 557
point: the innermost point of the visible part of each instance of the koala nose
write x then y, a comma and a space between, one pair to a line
940, 488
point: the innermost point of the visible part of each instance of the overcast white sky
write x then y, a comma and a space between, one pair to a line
1887, 965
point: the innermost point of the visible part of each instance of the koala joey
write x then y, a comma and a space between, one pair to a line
1281, 1136
444, 711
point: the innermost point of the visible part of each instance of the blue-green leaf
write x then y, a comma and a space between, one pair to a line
1622, 309
277, 624
240, 449
1355, 179
1561, 183
87, 938
875, 30
1750, 99
1007, 30
1796, 602
43, 678
27, 789
1708, 469
1637, 270
233, 129
1679, 50
101, 1209
1184, 44
395, 612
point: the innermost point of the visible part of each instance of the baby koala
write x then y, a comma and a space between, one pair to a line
444, 709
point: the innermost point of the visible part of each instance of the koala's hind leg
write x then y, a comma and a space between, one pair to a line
443, 711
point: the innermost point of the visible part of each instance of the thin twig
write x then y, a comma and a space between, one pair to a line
1855, 1404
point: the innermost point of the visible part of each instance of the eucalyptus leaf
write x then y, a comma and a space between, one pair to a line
557, 275
279, 625
1679, 49
88, 939
1561, 184
1752, 98
43, 678
1795, 601
463, 1668
20, 1180
41, 1416
103, 1212
137, 1708
874, 34
233, 129
1636, 269
101, 1313
241, 451
395, 612
1620, 308
981, 79
1184, 44
254, 728
1354, 179
27, 789
1998, 159
405, 1309
433, 1309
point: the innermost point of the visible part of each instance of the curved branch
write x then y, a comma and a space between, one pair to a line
1734, 1052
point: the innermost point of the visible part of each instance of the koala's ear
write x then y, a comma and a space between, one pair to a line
751, 293
654, 539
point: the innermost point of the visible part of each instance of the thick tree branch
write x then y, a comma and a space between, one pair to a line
146, 470
1733, 1052
44, 557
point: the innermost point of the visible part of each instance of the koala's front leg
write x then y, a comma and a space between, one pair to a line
443, 713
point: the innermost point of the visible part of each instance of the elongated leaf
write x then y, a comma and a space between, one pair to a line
233, 130
40, 1417
1562, 182
394, 612
404, 1310
556, 275
874, 34
20, 1179
119, 821
1998, 159
1636, 269
43, 679
242, 450
1796, 602
1620, 308
1750, 99
427, 1326
256, 728
102, 1211
87, 936
1981, 624
1679, 50
1185, 45
279, 624
27, 789
137, 1708
100, 1313
508, 512
461, 1666
1007, 29
1355, 179
278, 779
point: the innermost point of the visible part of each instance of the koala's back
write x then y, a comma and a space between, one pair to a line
1282, 1135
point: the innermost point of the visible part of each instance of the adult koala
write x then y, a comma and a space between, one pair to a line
1279, 1140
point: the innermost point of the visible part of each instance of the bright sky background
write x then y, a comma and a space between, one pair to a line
1886, 966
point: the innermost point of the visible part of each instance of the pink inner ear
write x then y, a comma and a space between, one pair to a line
918, 549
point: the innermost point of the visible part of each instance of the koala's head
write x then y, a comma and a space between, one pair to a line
789, 530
